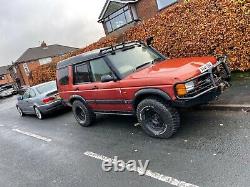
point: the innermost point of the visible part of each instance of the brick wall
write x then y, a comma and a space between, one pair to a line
31, 65
146, 9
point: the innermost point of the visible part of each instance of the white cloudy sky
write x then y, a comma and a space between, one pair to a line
25, 23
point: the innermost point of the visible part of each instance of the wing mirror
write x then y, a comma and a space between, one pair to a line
107, 78
149, 40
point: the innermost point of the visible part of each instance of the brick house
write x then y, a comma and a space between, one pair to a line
5, 77
119, 15
34, 57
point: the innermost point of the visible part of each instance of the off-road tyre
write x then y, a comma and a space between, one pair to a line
157, 118
83, 115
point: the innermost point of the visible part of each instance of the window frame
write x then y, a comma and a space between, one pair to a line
74, 72
59, 80
108, 19
26, 69
91, 72
165, 6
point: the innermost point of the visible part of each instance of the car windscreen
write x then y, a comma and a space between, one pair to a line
47, 87
127, 61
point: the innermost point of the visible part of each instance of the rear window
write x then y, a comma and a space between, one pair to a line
63, 76
47, 87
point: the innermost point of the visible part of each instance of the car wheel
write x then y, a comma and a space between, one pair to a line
84, 116
20, 111
157, 119
38, 113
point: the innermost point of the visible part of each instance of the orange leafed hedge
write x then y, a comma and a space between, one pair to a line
193, 28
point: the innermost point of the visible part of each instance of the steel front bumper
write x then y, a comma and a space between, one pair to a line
219, 77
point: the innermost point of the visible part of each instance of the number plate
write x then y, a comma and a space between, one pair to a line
205, 67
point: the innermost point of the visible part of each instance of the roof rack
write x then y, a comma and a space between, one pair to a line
120, 46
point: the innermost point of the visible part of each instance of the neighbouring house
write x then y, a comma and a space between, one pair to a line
5, 77
119, 15
34, 57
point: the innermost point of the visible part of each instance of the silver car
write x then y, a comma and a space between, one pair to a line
40, 100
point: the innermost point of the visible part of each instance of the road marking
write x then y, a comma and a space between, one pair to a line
32, 135
149, 173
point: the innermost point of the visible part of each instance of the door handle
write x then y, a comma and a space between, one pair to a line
76, 89
94, 88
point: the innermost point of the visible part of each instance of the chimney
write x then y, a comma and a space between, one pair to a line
43, 45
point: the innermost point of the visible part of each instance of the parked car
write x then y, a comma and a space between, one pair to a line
40, 100
135, 79
7, 90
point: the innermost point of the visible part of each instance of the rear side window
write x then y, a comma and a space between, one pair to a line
63, 76
81, 74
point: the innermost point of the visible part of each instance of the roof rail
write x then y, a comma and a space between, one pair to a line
119, 46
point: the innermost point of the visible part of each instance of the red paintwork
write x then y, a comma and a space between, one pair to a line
162, 75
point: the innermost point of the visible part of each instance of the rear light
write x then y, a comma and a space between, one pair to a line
48, 100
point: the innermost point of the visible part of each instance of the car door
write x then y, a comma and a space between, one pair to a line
108, 97
30, 101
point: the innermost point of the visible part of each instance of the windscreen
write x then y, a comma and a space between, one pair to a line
128, 61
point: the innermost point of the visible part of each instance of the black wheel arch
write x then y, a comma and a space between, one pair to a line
76, 97
150, 92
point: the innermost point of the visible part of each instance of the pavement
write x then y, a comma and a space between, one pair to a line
237, 97
211, 149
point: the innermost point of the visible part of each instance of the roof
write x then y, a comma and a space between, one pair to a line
79, 58
115, 6
44, 52
4, 70
97, 53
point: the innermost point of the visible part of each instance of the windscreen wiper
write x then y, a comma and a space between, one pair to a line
140, 66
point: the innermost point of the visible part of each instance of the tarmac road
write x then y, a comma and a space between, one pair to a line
212, 148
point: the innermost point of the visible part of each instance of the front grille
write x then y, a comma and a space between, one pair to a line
208, 81
201, 84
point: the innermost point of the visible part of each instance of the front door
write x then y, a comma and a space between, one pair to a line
108, 97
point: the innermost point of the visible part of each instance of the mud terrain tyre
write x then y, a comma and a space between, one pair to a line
84, 116
157, 118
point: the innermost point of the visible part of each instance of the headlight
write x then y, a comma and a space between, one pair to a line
189, 86
183, 89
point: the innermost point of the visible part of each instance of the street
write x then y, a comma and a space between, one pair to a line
212, 148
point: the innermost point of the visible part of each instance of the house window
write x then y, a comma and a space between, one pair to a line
164, 3
14, 69
26, 69
45, 60
118, 19
1, 77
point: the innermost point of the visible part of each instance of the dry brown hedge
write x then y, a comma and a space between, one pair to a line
196, 28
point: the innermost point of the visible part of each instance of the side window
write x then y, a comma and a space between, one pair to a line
63, 76
81, 73
98, 69
26, 94
32, 93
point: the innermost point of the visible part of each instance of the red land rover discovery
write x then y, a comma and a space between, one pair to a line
135, 79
